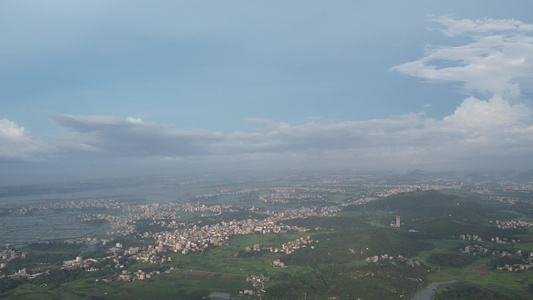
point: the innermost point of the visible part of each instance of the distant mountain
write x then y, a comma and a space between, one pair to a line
524, 176
418, 174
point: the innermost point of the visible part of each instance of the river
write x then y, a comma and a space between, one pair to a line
430, 290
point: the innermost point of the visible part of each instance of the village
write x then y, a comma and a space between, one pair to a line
385, 257
526, 259
183, 238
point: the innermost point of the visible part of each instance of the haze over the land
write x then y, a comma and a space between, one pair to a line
109, 88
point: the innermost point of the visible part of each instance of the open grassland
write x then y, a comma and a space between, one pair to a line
223, 259
524, 216
342, 197
178, 285
186, 216
175, 285
482, 275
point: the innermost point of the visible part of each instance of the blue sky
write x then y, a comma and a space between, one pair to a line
111, 88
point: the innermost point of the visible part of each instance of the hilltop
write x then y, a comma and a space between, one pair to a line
433, 204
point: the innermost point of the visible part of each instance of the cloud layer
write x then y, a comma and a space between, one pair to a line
485, 130
495, 132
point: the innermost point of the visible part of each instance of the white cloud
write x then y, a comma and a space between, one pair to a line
499, 55
498, 130
17, 143
488, 25
489, 115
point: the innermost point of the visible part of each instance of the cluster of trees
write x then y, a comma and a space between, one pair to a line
335, 223
55, 276
44, 253
147, 225
465, 291
438, 228
247, 254
374, 281
502, 261
348, 245
330, 271
450, 259
8, 284
434, 204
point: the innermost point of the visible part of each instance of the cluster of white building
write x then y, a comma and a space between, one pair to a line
470, 237
287, 247
408, 261
477, 238
513, 224
197, 239
125, 224
478, 250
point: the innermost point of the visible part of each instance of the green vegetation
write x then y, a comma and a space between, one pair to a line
349, 245
434, 204
450, 259
330, 223
44, 253
145, 225
466, 291
387, 280
353, 254
228, 216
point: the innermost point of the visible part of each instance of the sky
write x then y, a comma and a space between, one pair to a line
96, 89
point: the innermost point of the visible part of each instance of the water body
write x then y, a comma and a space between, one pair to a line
46, 225
152, 192
430, 290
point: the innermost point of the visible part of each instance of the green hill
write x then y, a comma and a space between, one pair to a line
349, 245
335, 268
433, 204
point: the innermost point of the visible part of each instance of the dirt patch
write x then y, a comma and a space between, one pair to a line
211, 274
480, 268
41, 269
125, 291
202, 273
365, 237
